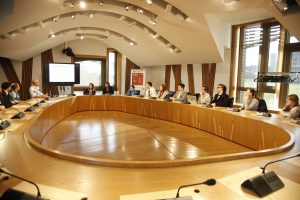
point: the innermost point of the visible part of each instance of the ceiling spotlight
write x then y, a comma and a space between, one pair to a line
281, 5
73, 16
149, 2
101, 3
131, 43
91, 15
101, 38
54, 19
127, 7
82, 4
81, 37
72, 5
141, 11
53, 35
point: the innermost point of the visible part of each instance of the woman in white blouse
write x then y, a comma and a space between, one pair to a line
204, 97
292, 108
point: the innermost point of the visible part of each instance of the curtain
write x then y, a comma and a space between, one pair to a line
167, 76
190, 70
26, 78
177, 75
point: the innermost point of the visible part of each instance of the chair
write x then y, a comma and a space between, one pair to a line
230, 102
171, 93
197, 96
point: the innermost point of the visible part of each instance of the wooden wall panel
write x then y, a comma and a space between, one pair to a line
26, 78
208, 76
129, 65
46, 58
190, 70
167, 76
177, 75
9, 70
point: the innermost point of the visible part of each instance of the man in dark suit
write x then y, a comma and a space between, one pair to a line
221, 99
4, 95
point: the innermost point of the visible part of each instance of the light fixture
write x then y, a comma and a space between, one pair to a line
149, 2
91, 15
73, 17
127, 7
101, 38
81, 37
72, 5
82, 4
101, 3
54, 19
120, 38
281, 5
131, 43
141, 11
53, 35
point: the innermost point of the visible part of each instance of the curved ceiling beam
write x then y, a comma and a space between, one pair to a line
93, 35
41, 24
107, 31
168, 7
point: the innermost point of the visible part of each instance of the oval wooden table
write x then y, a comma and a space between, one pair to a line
264, 136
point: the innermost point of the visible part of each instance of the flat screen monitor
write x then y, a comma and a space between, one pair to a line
63, 73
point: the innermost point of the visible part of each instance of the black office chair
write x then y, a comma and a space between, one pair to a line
197, 96
171, 93
230, 102
138, 92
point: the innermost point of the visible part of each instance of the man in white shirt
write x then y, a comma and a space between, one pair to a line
150, 91
180, 94
34, 90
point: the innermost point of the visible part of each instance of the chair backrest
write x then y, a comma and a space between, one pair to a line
171, 93
197, 96
262, 106
138, 92
230, 102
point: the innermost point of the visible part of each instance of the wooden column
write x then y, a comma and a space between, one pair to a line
129, 65
9, 70
26, 78
190, 71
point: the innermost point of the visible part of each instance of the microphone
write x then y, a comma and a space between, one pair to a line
265, 183
4, 124
264, 168
30, 109
208, 182
19, 115
37, 103
38, 189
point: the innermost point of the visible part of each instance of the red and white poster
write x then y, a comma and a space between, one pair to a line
138, 78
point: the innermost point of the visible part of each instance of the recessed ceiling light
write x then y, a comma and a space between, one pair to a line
141, 11
127, 7
131, 43
101, 38
81, 37
72, 5
82, 4
53, 35
149, 2
73, 16
54, 19
91, 15
101, 3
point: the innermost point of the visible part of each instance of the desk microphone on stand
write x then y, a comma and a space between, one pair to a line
19, 115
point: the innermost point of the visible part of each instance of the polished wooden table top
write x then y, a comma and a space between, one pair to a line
110, 183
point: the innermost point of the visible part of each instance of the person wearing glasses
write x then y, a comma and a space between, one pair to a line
221, 99
251, 102
163, 92
180, 95
204, 97
292, 108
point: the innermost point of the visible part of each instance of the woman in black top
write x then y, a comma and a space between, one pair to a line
90, 90
221, 99
107, 90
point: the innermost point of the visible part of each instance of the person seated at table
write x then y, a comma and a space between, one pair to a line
14, 96
5, 86
204, 97
34, 90
131, 90
292, 108
163, 92
1, 101
108, 90
251, 102
221, 99
90, 90
150, 91
180, 93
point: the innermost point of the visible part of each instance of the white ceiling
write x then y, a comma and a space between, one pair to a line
201, 38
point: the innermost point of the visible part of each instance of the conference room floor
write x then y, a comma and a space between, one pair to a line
123, 136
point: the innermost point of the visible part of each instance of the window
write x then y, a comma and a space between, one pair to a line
294, 88
258, 52
90, 72
112, 67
